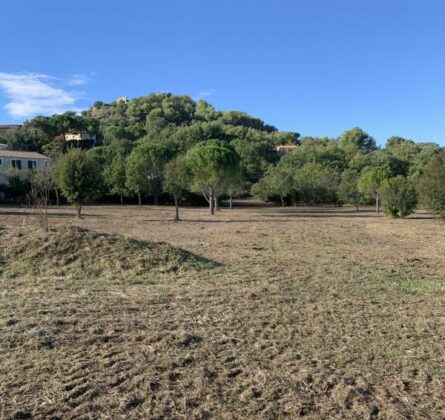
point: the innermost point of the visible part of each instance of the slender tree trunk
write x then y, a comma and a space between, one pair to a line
175, 198
205, 196
79, 209
231, 202
377, 204
122, 198
216, 203
57, 197
212, 202
140, 199
282, 200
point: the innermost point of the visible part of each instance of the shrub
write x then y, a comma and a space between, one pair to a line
398, 196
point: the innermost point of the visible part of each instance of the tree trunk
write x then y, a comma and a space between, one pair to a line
122, 198
356, 207
231, 202
282, 200
175, 198
205, 196
140, 199
211, 203
79, 209
57, 197
216, 203
156, 197
377, 204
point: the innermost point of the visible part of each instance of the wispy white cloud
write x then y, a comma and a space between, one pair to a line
31, 94
78, 80
205, 93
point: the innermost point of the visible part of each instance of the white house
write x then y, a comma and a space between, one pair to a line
283, 149
80, 136
21, 161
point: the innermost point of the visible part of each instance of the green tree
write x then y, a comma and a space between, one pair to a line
77, 176
370, 181
431, 186
235, 186
115, 175
355, 140
136, 180
278, 185
145, 169
211, 163
315, 183
348, 191
399, 198
176, 180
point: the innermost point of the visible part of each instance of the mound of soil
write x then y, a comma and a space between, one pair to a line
77, 251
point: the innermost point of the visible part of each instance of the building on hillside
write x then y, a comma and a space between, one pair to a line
282, 149
20, 161
80, 139
123, 99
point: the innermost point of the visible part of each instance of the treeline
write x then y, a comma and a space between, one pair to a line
165, 143
351, 170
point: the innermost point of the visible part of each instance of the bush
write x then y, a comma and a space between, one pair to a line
431, 186
399, 198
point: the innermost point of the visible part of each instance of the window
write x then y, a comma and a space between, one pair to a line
32, 164
16, 163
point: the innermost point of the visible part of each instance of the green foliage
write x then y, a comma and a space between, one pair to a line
348, 191
431, 186
177, 180
371, 179
315, 183
211, 163
18, 181
77, 176
177, 176
310, 183
355, 140
398, 196
149, 130
145, 167
277, 185
318, 150
115, 175
255, 157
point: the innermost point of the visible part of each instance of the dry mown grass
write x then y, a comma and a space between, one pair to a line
322, 313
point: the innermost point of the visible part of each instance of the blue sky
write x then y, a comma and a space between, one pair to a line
313, 66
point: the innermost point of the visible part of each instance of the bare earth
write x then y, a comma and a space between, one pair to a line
316, 312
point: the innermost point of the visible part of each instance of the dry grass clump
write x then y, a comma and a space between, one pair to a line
75, 251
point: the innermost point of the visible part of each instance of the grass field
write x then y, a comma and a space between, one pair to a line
316, 312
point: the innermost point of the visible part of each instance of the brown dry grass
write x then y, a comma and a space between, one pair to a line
317, 312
